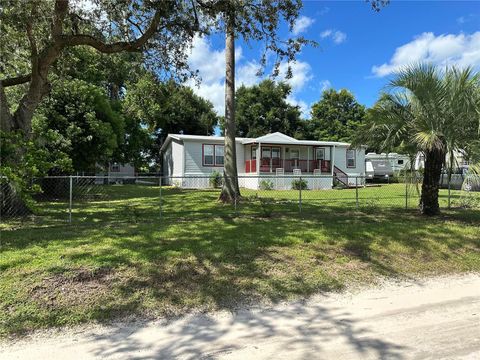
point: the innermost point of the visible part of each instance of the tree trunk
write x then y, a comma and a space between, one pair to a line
6, 120
11, 203
434, 160
230, 189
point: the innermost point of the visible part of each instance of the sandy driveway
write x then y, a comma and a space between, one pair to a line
434, 319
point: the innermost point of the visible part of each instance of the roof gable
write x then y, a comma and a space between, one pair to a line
276, 137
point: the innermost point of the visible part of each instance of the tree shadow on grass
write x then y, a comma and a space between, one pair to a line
225, 262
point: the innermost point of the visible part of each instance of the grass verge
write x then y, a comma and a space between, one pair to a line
99, 269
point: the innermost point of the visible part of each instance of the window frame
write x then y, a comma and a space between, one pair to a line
213, 155
297, 150
323, 151
354, 158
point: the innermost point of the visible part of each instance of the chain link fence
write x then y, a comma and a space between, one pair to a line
101, 199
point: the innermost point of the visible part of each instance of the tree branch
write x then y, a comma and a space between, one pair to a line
22, 79
61, 9
130, 46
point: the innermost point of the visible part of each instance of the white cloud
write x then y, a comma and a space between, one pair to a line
465, 19
326, 33
301, 74
302, 24
337, 36
303, 106
446, 49
324, 11
325, 84
210, 64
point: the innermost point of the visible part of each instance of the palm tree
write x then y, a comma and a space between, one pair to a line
435, 112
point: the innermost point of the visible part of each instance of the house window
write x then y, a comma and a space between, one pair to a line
295, 154
208, 151
219, 155
351, 159
213, 155
276, 157
400, 162
266, 152
115, 168
254, 153
320, 153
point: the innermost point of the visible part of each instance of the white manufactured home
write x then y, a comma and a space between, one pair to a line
275, 157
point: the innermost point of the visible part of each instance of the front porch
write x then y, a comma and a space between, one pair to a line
278, 159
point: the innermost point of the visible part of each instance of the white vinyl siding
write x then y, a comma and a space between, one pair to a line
177, 155
341, 161
194, 161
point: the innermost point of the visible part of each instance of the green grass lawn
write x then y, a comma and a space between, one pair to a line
119, 257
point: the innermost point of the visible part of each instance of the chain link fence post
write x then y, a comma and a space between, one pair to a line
356, 191
70, 200
406, 191
235, 202
300, 185
160, 196
449, 192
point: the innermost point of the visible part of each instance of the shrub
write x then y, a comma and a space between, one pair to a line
266, 206
467, 202
299, 184
266, 185
215, 179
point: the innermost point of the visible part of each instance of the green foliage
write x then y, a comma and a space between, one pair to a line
266, 185
336, 117
426, 110
467, 201
81, 117
37, 160
266, 206
299, 184
263, 108
167, 107
430, 111
215, 179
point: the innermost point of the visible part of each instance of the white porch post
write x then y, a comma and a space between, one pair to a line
332, 160
308, 159
259, 152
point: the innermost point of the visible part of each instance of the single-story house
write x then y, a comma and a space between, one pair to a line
114, 172
188, 160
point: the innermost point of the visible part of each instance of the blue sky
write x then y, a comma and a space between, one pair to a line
358, 48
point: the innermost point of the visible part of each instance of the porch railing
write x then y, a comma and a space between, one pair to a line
270, 165
251, 166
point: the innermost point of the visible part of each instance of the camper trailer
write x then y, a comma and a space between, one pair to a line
381, 166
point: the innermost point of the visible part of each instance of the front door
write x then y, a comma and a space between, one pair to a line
270, 158
319, 153
295, 157
265, 160
319, 157
276, 163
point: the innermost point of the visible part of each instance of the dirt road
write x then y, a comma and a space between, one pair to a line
425, 319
